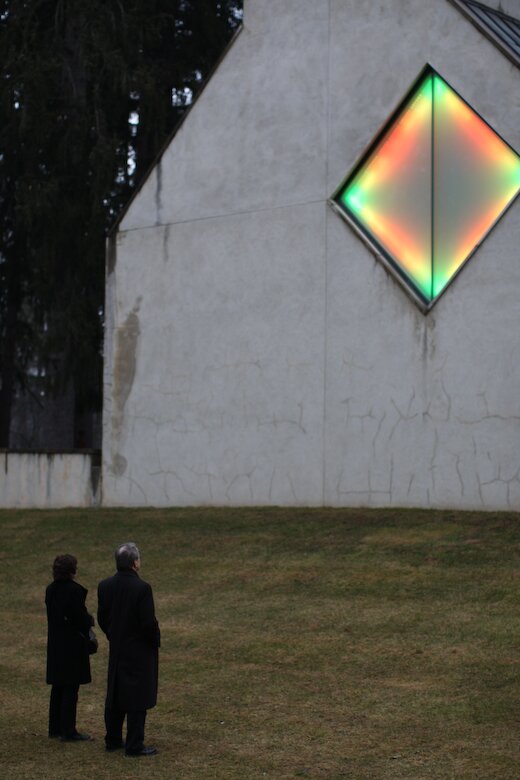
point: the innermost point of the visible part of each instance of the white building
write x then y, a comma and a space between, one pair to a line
257, 351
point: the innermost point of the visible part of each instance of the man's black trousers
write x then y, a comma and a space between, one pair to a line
135, 721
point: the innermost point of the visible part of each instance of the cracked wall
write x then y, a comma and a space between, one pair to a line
256, 351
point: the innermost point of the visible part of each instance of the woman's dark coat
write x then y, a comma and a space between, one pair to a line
68, 625
126, 614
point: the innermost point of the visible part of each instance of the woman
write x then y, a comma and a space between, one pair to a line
68, 664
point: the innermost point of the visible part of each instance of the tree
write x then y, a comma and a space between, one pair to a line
90, 91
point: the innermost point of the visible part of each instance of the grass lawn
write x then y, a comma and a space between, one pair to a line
296, 643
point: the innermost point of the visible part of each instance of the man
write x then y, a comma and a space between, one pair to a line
126, 614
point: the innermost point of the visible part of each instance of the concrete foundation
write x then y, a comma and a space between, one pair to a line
49, 480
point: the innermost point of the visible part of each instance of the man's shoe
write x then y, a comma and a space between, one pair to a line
111, 748
54, 736
145, 751
77, 737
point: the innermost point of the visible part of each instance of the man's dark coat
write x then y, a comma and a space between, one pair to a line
68, 624
126, 614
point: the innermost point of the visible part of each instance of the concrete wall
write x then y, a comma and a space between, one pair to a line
49, 480
256, 352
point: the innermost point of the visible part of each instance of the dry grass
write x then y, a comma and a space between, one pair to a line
296, 643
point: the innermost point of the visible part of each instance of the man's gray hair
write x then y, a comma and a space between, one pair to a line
125, 555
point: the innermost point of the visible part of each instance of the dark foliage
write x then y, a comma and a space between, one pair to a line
90, 91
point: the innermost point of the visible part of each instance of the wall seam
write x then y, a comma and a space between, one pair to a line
295, 204
326, 255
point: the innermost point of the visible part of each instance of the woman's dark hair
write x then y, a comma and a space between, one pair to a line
64, 567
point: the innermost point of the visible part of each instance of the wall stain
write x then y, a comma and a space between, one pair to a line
125, 357
424, 328
95, 478
119, 464
166, 243
158, 193
111, 254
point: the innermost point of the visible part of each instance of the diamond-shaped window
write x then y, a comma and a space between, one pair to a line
430, 187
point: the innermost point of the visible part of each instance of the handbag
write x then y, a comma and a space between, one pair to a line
91, 639
92, 642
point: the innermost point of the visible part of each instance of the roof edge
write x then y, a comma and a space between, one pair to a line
486, 31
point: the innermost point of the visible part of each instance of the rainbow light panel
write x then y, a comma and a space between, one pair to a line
431, 186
